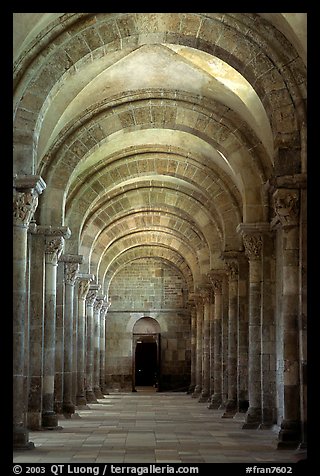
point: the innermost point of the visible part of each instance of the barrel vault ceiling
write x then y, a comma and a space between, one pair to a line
155, 132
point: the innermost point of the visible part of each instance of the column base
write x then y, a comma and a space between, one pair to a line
90, 396
50, 421
190, 389
196, 392
222, 406
81, 401
252, 419
240, 416
97, 392
269, 418
204, 397
215, 402
289, 435
104, 389
21, 439
68, 409
230, 410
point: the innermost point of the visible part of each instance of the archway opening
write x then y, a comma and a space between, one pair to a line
146, 355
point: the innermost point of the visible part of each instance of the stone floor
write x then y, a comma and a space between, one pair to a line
149, 427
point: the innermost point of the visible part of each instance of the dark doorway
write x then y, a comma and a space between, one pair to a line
146, 363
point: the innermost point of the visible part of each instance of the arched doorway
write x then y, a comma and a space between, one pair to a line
146, 368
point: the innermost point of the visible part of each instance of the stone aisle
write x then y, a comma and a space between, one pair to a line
148, 427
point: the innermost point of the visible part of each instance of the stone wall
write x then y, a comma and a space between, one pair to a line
148, 287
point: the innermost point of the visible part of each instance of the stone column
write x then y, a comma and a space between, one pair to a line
199, 318
83, 289
71, 267
96, 352
36, 329
224, 342
268, 335
207, 299
286, 204
216, 279
232, 266
53, 247
252, 235
91, 297
103, 314
25, 201
211, 345
243, 338
59, 342
193, 333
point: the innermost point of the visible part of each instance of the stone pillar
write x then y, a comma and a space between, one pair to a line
53, 247
199, 318
96, 352
59, 342
224, 342
216, 279
303, 307
83, 289
103, 314
193, 333
268, 335
71, 267
243, 338
91, 297
211, 345
207, 299
36, 329
286, 204
25, 201
252, 235
232, 266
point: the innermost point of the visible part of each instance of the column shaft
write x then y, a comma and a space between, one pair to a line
59, 338
216, 398
53, 249
243, 338
96, 356
231, 404
83, 288
199, 310
36, 332
205, 393
193, 346
91, 297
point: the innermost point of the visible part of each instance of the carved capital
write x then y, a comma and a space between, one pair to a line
216, 279
206, 295
98, 303
83, 288
286, 204
92, 294
70, 272
233, 269
53, 248
24, 206
198, 300
253, 245
105, 306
